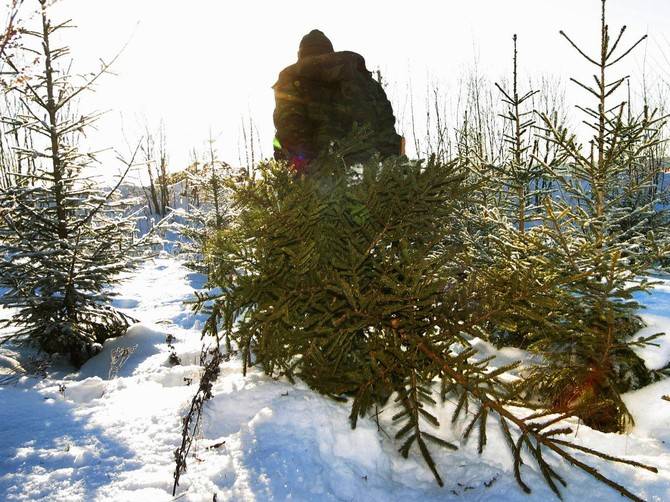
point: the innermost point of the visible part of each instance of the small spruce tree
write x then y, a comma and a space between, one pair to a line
609, 245
64, 239
519, 173
210, 214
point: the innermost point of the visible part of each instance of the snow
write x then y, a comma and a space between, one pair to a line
656, 316
9, 365
651, 413
94, 436
143, 344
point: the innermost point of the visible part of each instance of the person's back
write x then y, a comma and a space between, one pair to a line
322, 97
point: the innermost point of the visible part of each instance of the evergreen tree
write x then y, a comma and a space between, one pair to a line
64, 239
369, 284
364, 284
518, 175
594, 235
509, 214
210, 212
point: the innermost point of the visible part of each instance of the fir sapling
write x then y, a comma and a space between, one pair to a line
595, 235
64, 239
363, 284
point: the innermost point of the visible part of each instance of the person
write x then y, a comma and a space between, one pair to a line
322, 98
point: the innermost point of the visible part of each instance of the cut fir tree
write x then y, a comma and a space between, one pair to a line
63, 240
363, 285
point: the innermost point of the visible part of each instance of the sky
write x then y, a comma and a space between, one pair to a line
206, 66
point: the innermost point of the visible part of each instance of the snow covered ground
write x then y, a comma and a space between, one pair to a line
96, 436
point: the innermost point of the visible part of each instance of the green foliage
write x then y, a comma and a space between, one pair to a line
368, 285
517, 178
331, 275
209, 211
374, 251
605, 228
583, 247
64, 239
